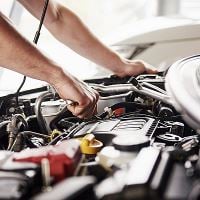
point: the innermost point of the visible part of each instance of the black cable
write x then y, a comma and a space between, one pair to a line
37, 34
35, 41
18, 91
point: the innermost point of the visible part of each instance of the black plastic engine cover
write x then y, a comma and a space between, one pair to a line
107, 129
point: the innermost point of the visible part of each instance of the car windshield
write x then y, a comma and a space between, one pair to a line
103, 18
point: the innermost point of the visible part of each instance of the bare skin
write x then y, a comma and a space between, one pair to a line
20, 55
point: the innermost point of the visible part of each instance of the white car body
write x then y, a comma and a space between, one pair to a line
165, 40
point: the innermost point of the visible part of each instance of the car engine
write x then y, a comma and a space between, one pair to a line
137, 146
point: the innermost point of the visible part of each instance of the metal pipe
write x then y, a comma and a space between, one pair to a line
122, 88
156, 95
153, 87
119, 88
13, 129
115, 96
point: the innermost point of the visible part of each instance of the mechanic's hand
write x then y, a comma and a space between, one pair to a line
85, 98
134, 67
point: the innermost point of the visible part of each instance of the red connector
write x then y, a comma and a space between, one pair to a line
63, 158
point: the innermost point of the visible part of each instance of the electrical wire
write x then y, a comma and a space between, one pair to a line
18, 91
35, 41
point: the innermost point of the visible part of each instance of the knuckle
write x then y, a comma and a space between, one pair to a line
89, 99
77, 111
96, 95
93, 99
71, 109
94, 112
84, 101
139, 62
81, 116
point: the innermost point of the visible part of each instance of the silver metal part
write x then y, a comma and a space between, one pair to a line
116, 96
122, 88
92, 128
153, 87
46, 174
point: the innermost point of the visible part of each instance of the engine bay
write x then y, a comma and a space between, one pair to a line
137, 146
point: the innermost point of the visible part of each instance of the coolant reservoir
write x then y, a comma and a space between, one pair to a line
125, 148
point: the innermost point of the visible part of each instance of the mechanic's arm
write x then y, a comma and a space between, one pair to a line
67, 27
17, 54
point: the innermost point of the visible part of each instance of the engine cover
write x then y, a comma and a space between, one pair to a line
130, 123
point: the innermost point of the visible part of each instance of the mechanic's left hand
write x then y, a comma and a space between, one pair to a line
134, 67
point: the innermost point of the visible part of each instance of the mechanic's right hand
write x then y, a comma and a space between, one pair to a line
85, 98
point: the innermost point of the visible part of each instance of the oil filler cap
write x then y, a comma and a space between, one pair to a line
89, 145
130, 142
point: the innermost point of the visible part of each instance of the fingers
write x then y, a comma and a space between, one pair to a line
136, 67
149, 69
89, 113
87, 105
84, 97
84, 111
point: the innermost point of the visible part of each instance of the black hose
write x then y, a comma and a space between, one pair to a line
40, 119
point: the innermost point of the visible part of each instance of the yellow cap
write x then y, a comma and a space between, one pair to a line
89, 145
54, 134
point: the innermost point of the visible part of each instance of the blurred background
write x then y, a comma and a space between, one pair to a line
104, 19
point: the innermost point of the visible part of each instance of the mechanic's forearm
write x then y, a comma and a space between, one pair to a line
17, 54
69, 29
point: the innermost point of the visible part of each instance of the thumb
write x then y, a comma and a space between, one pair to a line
149, 69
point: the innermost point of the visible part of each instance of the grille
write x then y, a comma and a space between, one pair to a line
134, 125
